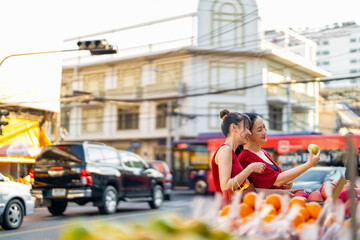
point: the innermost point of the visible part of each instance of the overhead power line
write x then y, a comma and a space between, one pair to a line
102, 99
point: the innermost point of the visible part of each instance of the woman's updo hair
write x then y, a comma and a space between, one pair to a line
230, 118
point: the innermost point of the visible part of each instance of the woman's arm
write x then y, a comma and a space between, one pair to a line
224, 160
293, 173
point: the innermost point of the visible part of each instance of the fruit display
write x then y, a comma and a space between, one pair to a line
278, 216
169, 226
254, 216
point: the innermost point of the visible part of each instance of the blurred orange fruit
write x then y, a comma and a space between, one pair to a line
311, 221
297, 200
245, 210
301, 226
249, 199
272, 208
247, 218
314, 209
275, 200
235, 223
298, 219
305, 213
225, 210
269, 217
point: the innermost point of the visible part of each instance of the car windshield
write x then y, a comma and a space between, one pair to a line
312, 175
72, 155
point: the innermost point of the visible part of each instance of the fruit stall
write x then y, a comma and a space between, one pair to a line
254, 215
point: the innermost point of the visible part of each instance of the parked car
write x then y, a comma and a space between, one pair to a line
92, 172
162, 167
15, 203
313, 178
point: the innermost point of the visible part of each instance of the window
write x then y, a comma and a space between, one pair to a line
325, 43
325, 53
227, 75
137, 163
353, 50
170, 72
214, 122
92, 120
352, 40
353, 70
161, 110
353, 60
65, 119
129, 77
66, 89
110, 156
275, 118
355, 80
93, 82
128, 118
326, 63
161, 115
94, 155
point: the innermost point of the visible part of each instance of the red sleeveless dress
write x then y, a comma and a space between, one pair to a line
235, 170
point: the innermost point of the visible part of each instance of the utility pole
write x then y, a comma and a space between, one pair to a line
168, 138
288, 105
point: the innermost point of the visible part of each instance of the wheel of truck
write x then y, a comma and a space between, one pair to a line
13, 215
57, 207
200, 187
157, 197
109, 201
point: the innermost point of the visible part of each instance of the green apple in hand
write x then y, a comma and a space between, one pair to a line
314, 148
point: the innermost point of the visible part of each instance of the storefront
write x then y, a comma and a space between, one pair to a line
20, 143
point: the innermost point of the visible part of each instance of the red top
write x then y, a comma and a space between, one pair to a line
235, 170
265, 179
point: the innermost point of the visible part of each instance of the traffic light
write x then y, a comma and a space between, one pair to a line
97, 47
3, 114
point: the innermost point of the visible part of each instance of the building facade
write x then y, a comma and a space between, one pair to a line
173, 89
338, 48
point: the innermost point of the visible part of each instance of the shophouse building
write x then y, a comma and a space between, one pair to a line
170, 79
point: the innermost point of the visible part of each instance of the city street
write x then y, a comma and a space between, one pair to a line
43, 226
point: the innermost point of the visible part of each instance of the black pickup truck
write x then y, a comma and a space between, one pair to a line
92, 172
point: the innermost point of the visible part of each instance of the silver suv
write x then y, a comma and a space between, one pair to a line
15, 203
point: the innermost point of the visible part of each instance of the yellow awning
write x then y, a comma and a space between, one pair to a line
16, 160
23, 132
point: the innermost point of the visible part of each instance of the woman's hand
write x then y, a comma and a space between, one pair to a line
257, 167
288, 185
313, 159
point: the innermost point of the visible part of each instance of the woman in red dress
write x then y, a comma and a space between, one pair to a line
272, 176
227, 171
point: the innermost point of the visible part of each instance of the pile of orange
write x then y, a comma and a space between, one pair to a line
309, 211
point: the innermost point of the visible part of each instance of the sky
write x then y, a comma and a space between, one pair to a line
39, 24
43, 25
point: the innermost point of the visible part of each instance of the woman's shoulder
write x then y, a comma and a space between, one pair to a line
244, 152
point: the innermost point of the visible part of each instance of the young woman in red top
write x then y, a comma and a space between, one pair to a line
273, 176
227, 171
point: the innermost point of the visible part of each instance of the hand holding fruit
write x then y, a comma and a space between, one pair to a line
313, 159
313, 148
258, 167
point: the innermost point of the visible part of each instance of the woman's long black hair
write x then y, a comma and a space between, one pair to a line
252, 117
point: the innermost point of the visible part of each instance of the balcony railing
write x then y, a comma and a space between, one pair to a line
279, 93
127, 91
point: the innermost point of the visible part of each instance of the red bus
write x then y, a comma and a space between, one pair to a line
192, 157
